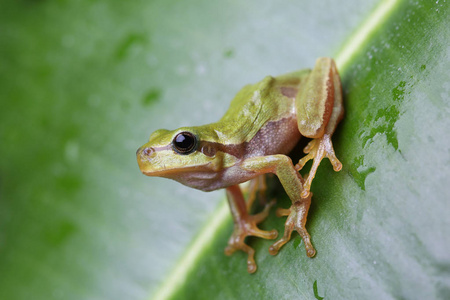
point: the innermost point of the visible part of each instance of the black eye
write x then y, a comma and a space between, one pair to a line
184, 143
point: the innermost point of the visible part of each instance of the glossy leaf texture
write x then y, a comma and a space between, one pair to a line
84, 83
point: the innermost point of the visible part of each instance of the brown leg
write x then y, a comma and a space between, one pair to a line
245, 225
256, 186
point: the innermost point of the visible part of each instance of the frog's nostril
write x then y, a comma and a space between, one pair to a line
148, 151
145, 151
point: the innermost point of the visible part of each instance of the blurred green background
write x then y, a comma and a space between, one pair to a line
84, 83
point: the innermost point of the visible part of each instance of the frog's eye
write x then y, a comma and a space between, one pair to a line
184, 143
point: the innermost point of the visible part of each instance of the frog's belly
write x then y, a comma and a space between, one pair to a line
210, 181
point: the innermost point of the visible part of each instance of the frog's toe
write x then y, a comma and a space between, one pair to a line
230, 250
296, 220
258, 218
268, 235
317, 150
337, 165
282, 212
273, 249
251, 264
248, 227
240, 245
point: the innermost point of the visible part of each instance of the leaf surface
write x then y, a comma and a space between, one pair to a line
83, 84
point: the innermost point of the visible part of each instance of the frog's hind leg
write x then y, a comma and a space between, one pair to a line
320, 110
256, 186
245, 225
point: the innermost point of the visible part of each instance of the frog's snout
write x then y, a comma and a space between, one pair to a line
145, 152
138, 151
144, 156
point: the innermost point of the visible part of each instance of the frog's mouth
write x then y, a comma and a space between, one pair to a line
155, 168
173, 173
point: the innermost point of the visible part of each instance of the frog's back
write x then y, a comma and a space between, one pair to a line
262, 116
253, 107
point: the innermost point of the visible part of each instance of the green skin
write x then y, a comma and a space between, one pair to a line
263, 124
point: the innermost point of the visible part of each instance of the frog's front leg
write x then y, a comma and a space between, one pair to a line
296, 220
319, 110
245, 225
282, 166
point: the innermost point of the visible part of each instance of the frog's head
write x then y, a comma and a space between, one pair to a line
188, 155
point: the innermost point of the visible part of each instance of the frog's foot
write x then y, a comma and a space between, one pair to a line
296, 220
244, 227
317, 149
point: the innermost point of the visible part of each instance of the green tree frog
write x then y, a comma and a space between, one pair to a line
262, 125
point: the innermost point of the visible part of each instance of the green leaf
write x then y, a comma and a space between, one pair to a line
83, 84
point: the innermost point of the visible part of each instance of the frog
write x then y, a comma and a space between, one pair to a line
255, 136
